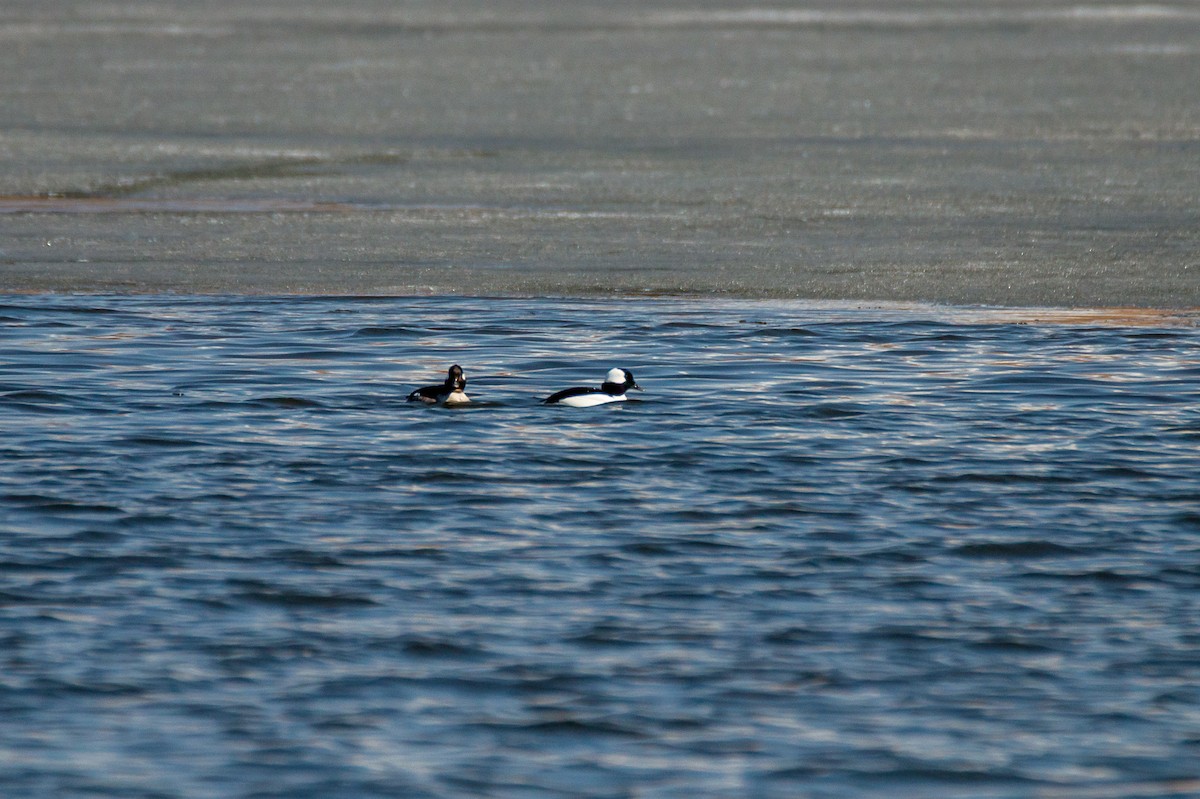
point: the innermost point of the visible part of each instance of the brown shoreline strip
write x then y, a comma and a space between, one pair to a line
1099, 317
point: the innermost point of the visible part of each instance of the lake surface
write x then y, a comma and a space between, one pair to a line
830, 551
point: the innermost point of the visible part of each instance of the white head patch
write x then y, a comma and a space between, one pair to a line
617, 376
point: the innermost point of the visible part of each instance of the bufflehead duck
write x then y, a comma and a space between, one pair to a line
616, 383
452, 392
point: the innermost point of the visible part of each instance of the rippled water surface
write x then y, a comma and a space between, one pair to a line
830, 552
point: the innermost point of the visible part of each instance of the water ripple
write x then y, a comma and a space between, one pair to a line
830, 552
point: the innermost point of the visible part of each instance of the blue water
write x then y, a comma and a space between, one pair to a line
830, 552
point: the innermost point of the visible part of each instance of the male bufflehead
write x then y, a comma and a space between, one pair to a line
452, 392
616, 383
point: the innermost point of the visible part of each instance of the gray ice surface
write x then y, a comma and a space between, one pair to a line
991, 152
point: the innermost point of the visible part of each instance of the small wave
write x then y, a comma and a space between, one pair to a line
38, 396
93, 536
50, 502
291, 355
291, 403
1042, 384
834, 411
354, 554
652, 548
40, 402
425, 646
108, 565
778, 332
67, 309
160, 441
685, 324
388, 331
1007, 643
52, 687
611, 634
1015, 550
450, 477
1005, 478
1189, 519
265, 593
1100, 575
309, 559
797, 635
563, 725
585, 726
